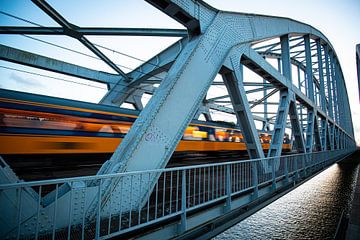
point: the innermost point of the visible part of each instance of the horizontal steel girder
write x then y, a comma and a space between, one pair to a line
157, 64
71, 30
216, 37
156, 132
93, 31
34, 60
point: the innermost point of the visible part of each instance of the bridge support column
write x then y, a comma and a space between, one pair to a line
233, 80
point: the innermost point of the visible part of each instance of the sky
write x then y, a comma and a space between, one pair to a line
336, 19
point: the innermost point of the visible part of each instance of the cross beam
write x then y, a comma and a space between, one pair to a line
155, 32
71, 30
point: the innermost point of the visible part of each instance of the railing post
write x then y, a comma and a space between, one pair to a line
19, 205
296, 168
303, 157
273, 174
286, 169
228, 188
255, 181
183, 224
97, 228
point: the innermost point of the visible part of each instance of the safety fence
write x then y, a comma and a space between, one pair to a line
35, 210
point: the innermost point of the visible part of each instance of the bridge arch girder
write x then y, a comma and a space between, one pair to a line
159, 127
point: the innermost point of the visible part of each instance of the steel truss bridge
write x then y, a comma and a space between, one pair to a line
133, 194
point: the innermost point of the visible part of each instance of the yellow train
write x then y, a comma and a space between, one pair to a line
46, 129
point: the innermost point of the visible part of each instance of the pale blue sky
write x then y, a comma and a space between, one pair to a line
337, 19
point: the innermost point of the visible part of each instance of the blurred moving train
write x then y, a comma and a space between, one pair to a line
41, 130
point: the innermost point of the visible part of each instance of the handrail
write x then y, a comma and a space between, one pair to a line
97, 177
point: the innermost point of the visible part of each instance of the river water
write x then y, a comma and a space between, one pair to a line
311, 211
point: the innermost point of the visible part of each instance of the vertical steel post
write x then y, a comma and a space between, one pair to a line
97, 224
309, 77
228, 188
233, 80
285, 58
323, 134
321, 75
309, 74
55, 211
265, 123
19, 205
284, 102
296, 167
273, 173
286, 170
333, 86
255, 180
183, 224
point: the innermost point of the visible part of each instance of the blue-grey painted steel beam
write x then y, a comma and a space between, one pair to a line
217, 98
311, 118
334, 81
70, 30
260, 65
233, 79
34, 60
224, 109
309, 71
330, 111
296, 127
287, 72
285, 58
158, 129
321, 75
286, 96
196, 16
150, 69
275, 148
256, 84
273, 76
264, 98
265, 126
317, 135
93, 31
293, 61
131, 152
324, 136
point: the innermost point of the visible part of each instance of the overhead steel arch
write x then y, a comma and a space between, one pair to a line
223, 45
206, 52
218, 42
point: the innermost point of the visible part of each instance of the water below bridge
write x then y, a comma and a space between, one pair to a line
311, 211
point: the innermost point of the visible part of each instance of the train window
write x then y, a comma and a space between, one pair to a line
40, 120
194, 133
106, 128
221, 134
188, 134
212, 137
124, 128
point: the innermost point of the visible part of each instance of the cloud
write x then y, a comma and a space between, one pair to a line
25, 81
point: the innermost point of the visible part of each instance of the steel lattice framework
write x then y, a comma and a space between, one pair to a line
313, 103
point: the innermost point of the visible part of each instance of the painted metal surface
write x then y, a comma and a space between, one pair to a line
217, 42
179, 192
97, 31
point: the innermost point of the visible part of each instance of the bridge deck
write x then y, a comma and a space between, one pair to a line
186, 201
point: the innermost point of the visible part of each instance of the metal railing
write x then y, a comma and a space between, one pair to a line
177, 192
